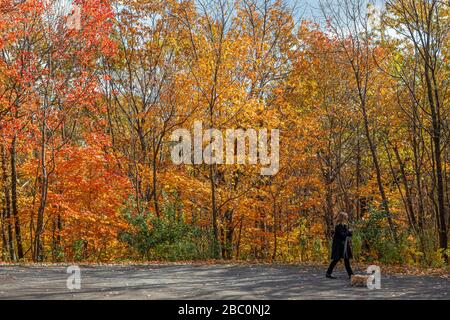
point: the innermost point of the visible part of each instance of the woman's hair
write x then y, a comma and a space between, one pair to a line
342, 217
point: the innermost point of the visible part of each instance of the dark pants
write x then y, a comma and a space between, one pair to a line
347, 266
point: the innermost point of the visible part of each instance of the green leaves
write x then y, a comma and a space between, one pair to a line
168, 237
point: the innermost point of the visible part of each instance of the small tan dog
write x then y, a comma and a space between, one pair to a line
359, 280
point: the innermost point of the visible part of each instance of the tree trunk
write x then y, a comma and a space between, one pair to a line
433, 99
155, 193
228, 234
7, 209
373, 153
408, 198
417, 173
39, 249
4, 240
275, 227
15, 210
215, 245
329, 209
358, 175
238, 245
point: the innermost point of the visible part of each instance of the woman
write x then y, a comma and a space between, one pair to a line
341, 246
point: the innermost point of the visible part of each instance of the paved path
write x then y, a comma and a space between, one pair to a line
208, 282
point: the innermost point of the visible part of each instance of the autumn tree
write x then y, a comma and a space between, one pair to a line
423, 26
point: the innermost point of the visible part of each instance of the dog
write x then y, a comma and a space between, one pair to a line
359, 280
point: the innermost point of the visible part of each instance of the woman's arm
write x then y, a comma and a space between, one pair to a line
349, 232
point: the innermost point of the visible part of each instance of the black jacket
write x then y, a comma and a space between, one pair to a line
341, 233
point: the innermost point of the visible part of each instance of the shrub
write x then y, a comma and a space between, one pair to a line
167, 237
372, 240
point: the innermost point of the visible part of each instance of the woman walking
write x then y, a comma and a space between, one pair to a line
341, 246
